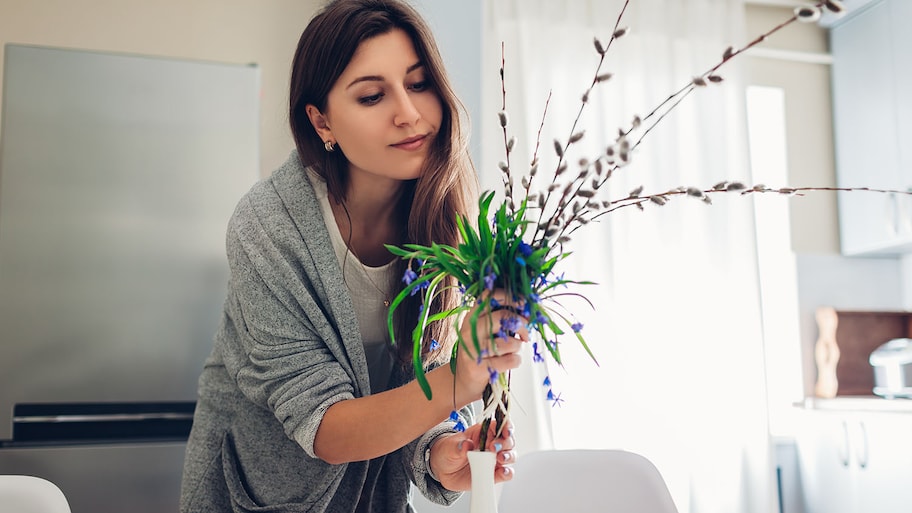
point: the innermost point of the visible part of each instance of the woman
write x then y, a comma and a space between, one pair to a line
304, 405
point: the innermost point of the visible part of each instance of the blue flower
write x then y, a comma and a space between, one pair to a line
489, 280
520, 260
454, 417
510, 324
494, 303
492, 375
577, 327
409, 277
547, 381
434, 344
536, 356
557, 278
525, 249
534, 298
555, 399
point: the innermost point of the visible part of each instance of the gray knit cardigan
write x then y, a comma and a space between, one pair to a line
288, 347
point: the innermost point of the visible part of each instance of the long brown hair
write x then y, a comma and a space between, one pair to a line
447, 186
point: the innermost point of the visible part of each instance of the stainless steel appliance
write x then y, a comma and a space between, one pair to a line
892, 363
117, 177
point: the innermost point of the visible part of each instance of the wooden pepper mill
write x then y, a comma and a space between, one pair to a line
826, 353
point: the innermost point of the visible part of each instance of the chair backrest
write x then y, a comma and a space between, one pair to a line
29, 494
585, 481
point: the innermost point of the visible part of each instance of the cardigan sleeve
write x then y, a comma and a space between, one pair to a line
413, 459
279, 342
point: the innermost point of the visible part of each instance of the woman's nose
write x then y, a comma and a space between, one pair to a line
406, 111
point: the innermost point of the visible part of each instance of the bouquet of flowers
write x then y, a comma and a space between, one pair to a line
517, 245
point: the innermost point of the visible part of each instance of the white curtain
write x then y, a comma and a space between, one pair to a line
676, 326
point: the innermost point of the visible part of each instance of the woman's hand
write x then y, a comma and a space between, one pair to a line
449, 456
501, 332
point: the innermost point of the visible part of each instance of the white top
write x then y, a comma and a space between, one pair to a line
369, 288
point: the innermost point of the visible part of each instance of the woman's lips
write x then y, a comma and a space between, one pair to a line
411, 143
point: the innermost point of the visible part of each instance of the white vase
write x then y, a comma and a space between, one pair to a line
483, 498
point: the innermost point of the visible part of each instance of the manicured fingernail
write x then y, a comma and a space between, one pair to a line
498, 446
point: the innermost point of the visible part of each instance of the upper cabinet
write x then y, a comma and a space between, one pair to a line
872, 111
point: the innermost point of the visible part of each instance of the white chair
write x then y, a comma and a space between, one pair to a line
585, 481
29, 494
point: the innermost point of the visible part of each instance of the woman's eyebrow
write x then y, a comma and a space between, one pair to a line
379, 78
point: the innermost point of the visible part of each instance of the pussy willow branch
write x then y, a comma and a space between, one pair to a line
728, 55
533, 165
573, 137
660, 199
662, 110
508, 146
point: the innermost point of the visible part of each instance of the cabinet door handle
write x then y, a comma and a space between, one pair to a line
845, 453
862, 454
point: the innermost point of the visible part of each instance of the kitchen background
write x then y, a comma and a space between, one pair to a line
796, 62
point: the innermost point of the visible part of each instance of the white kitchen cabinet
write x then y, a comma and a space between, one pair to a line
900, 14
872, 116
856, 461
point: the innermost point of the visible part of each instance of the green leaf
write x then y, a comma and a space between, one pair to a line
582, 341
449, 266
396, 250
419, 372
406, 292
418, 335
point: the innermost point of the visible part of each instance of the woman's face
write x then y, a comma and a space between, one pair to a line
382, 112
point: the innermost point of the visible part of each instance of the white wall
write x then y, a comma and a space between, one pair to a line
814, 219
457, 28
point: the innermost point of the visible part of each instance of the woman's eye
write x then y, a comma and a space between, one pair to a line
370, 100
420, 86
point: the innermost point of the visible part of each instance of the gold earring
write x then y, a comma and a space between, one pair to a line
328, 145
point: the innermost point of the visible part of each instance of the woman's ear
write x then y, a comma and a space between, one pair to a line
319, 122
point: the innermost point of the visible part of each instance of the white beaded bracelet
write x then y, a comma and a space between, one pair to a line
427, 456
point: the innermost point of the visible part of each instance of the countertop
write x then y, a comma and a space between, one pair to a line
858, 403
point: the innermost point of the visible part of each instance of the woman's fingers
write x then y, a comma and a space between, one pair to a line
504, 445
491, 339
502, 363
503, 442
